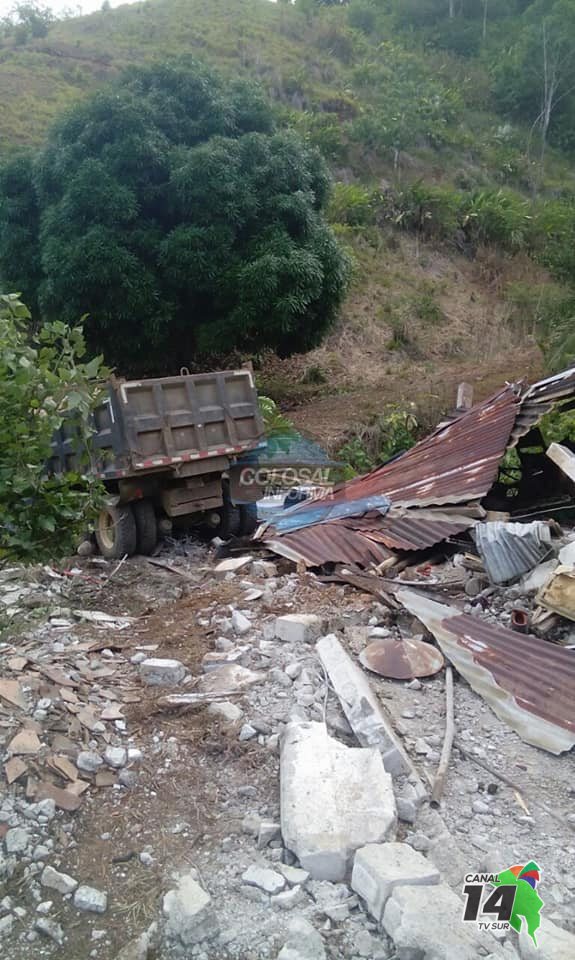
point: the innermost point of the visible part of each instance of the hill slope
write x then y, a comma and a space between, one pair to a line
421, 311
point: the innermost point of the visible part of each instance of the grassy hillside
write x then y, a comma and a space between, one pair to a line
387, 114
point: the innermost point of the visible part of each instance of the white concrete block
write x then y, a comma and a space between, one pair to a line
334, 799
553, 943
380, 867
158, 672
189, 914
427, 922
360, 705
298, 627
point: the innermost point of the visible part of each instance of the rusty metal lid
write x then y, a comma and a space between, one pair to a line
401, 659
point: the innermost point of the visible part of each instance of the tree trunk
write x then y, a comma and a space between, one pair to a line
451, 9
485, 5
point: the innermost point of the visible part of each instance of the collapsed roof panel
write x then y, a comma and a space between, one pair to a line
529, 683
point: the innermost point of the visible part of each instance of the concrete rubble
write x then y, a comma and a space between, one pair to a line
334, 799
264, 820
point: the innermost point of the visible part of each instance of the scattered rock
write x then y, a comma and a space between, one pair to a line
553, 943
115, 757
298, 628
334, 799
6, 924
157, 672
61, 882
44, 907
188, 912
90, 899
294, 875
247, 732
379, 868
16, 840
303, 942
231, 565
264, 568
51, 929
240, 623
225, 710
288, 899
88, 761
263, 878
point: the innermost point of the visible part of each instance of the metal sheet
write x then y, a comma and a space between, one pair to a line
327, 543
401, 659
539, 398
511, 549
529, 683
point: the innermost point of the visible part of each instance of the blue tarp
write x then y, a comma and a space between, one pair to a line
323, 510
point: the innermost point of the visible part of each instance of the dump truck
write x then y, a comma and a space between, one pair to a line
164, 449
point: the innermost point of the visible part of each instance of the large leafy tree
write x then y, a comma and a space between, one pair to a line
173, 212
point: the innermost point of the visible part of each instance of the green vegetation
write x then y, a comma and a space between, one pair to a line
41, 383
172, 209
390, 433
452, 119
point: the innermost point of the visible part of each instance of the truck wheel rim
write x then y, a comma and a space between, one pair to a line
106, 529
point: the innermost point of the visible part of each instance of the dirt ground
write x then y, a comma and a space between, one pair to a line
186, 802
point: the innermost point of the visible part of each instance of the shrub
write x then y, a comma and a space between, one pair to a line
41, 382
385, 436
351, 204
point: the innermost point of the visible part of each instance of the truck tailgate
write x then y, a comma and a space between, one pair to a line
172, 419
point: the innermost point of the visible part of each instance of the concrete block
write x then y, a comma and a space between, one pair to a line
188, 912
379, 868
157, 672
54, 880
426, 922
298, 627
553, 943
361, 706
240, 623
334, 799
303, 942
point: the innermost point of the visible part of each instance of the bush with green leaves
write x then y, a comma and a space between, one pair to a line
42, 381
174, 212
351, 204
385, 436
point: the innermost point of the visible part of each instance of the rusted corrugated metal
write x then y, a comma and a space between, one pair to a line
529, 683
539, 399
329, 542
455, 464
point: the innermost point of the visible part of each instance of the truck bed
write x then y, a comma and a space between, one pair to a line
153, 425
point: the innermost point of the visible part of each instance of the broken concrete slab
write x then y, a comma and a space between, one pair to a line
303, 942
298, 628
379, 868
189, 914
361, 706
228, 680
553, 943
334, 799
158, 672
240, 623
264, 878
425, 921
563, 458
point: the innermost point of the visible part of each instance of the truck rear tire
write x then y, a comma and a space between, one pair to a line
116, 533
146, 526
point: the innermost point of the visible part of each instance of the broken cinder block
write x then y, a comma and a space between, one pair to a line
334, 799
379, 868
298, 627
157, 672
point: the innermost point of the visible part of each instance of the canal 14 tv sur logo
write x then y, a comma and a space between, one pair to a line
505, 900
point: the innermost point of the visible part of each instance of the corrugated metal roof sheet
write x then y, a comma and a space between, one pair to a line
456, 463
510, 549
539, 398
528, 682
330, 542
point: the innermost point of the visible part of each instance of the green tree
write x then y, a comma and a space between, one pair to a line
42, 381
28, 20
174, 213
